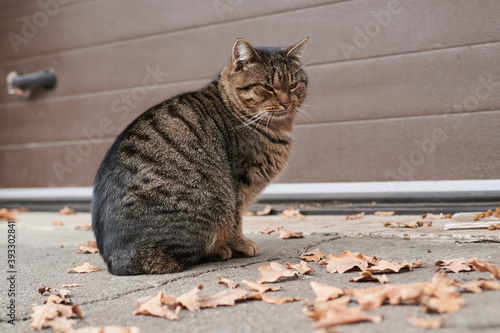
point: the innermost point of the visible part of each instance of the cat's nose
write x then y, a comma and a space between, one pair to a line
285, 104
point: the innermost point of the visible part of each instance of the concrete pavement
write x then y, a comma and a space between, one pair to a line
45, 253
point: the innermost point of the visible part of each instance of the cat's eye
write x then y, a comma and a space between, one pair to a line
267, 87
293, 85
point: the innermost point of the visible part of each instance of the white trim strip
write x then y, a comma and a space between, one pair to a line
488, 185
470, 186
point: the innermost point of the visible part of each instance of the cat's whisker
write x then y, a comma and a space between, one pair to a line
303, 113
310, 106
252, 120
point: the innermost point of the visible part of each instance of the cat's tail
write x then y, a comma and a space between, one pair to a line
152, 258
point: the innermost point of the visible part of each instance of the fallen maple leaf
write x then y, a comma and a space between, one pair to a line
224, 298
380, 213
84, 226
230, 284
267, 230
484, 266
266, 211
436, 216
368, 276
426, 323
155, 306
72, 285
314, 255
440, 295
275, 300
91, 247
273, 272
261, 288
291, 213
455, 265
84, 268
107, 329
43, 289
325, 292
344, 262
42, 314
384, 265
7, 214
58, 223
286, 234
477, 286
341, 316
66, 211
412, 225
189, 300
302, 268
355, 216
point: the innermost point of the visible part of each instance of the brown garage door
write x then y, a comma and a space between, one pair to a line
399, 90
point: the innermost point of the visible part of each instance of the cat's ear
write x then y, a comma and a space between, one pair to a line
295, 52
243, 53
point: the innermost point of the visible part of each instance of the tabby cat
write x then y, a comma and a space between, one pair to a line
173, 187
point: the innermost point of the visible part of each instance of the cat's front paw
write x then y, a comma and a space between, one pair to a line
247, 247
224, 253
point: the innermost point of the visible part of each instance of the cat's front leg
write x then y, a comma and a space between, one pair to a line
242, 244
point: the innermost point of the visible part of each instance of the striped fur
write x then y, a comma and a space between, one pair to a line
174, 185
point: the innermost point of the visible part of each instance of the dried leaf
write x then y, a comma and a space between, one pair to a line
66, 211
42, 314
268, 230
107, 329
455, 265
325, 292
189, 300
477, 286
368, 276
58, 223
314, 255
57, 299
440, 295
384, 265
84, 268
412, 225
275, 300
316, 311
380, 213
342, 316
273, 272
426, 323
72, 285
84, 226
155, 306
266, 211
43, 289
291, 213
230, 284
7, 214
61, 325
286, 234
91, 247
484, 266
355, 216
302, 267
261, 288
437, 216
224, 298
344, 262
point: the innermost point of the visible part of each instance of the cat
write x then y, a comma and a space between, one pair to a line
174, 185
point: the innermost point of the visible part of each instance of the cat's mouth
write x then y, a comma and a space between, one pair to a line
280, 113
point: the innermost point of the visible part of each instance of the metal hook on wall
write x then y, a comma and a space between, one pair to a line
22, 85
